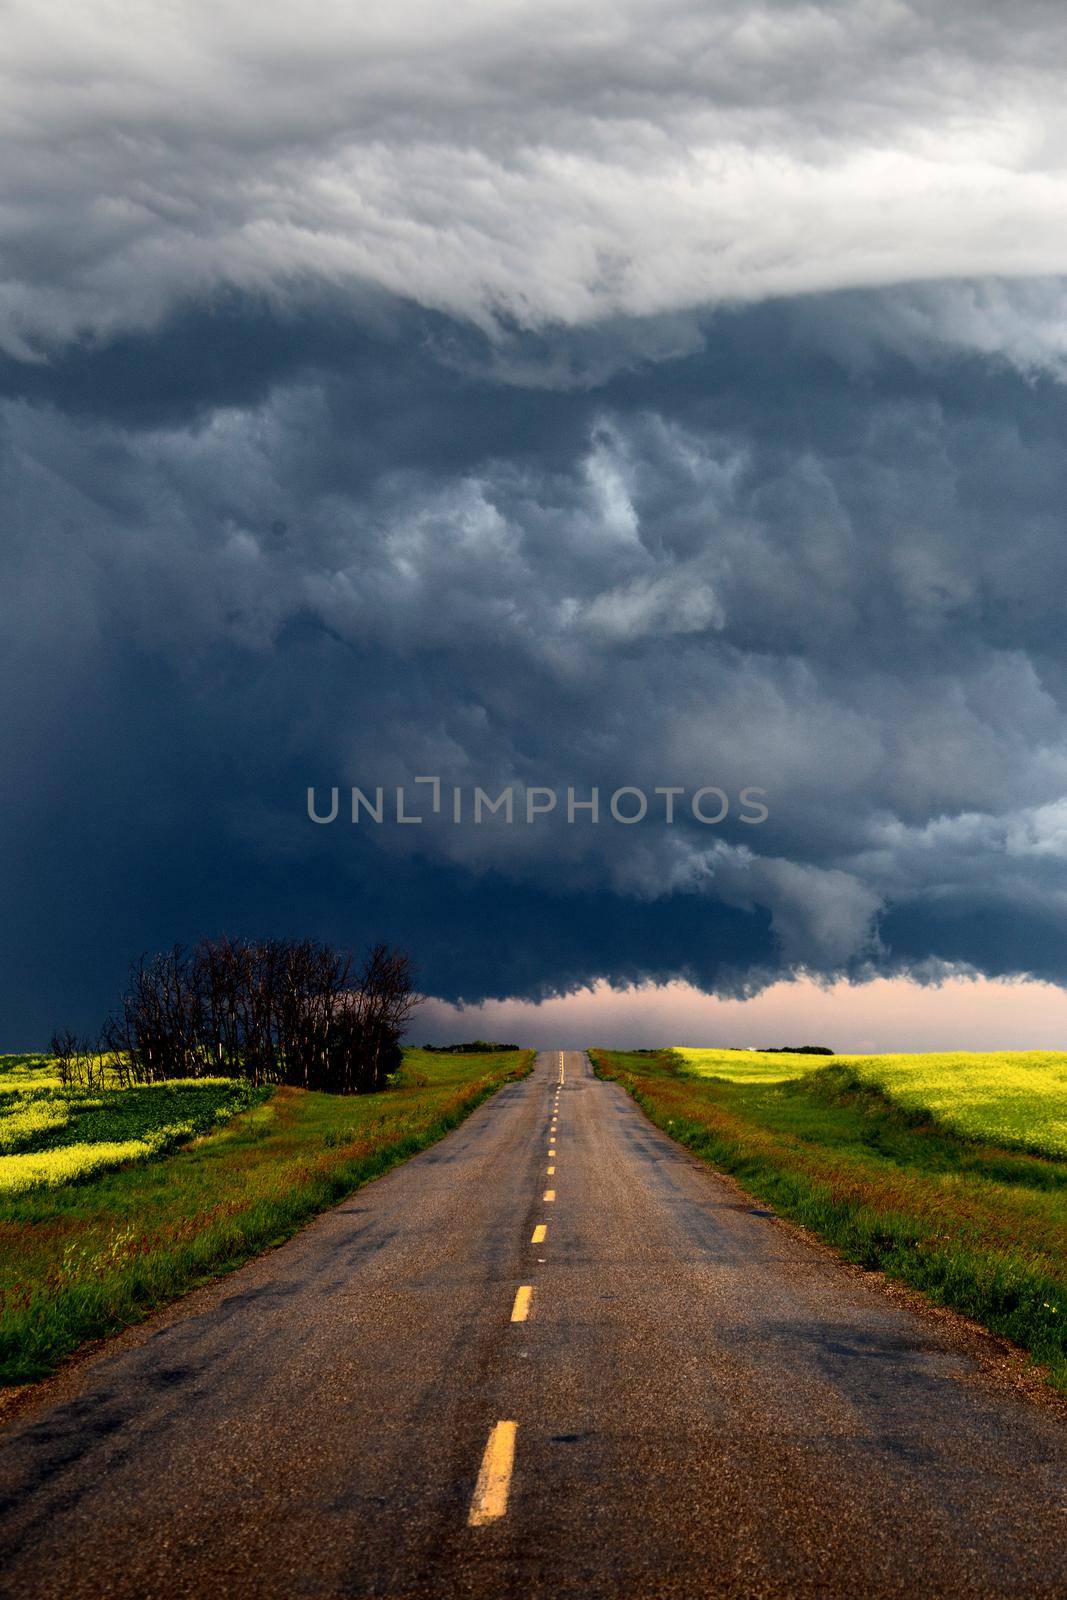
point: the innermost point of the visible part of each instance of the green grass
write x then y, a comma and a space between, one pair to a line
1014, 1097
79, 1260
977, 1224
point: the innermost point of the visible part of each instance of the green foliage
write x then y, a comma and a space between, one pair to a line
26, 1118
50, 1135
26, 1071
473, 1047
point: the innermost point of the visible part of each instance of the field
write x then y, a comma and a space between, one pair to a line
1014, 1097
964, 1199
51, 1135
194, 1178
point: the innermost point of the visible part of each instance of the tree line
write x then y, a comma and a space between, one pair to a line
293, 1011
473, 1047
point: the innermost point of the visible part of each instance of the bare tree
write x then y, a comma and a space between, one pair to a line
385, 1000
79, 1062
272, 1010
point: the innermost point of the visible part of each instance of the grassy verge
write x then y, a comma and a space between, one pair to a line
976, 1226
85, 1259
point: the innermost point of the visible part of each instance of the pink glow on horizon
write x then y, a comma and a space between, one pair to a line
886, 1015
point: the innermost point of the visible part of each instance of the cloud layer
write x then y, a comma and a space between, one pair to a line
521, 163
609, 395
345, 555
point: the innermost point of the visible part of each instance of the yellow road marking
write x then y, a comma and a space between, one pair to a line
490, 1498
539, 1234
551, 1152
521, 1309
551, 1171
549, 1194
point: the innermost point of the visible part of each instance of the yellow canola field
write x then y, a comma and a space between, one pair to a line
1012, 1097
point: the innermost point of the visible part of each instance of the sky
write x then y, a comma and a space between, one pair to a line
551, 398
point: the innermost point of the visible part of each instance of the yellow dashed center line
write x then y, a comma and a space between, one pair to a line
521, 1309
490, 1498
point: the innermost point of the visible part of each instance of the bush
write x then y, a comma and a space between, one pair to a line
473, 1047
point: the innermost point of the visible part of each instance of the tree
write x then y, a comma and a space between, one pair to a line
271, 1010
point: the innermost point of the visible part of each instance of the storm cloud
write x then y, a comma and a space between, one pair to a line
519, 162
645, 398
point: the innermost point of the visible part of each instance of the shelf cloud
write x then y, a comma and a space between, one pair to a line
522, 164
615, 395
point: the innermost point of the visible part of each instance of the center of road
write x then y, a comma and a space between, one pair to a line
489, 1501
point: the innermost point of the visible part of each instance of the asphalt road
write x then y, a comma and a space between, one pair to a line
696, 1402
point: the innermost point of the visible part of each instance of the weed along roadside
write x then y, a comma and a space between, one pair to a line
82, 1259
977, 1226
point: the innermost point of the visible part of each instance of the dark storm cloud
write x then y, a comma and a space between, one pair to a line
786, 555
632, 393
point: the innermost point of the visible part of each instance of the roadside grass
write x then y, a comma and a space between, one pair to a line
977, 1225
1017, 1097
83, 1259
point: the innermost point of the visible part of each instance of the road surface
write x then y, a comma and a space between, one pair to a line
667, 1394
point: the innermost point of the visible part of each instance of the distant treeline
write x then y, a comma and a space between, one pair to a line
796, 1050
291, 1011
473, 1047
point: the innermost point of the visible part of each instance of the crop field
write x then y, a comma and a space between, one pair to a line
947, 1172
52, 1135
193, 1177
1012, 1097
